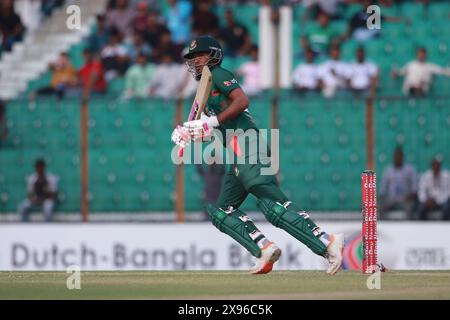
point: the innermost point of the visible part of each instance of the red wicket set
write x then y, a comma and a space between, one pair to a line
369, 221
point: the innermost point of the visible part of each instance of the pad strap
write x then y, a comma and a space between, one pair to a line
297, 224
238, 226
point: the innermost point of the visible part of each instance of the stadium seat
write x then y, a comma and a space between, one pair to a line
350, 10
438, 11
413, 10
393, 31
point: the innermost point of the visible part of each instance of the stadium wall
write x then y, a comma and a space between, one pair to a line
199, 246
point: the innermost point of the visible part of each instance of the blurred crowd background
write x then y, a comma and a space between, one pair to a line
129, 63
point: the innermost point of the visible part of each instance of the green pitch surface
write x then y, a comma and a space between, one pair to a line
225, 285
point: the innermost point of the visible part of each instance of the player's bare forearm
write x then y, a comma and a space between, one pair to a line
239, 102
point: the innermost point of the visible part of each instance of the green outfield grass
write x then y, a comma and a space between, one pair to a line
225, 285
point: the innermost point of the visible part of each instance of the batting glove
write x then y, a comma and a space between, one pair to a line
181, 136
201, 128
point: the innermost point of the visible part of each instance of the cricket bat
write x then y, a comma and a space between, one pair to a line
201, 96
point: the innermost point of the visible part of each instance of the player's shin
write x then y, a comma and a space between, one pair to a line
238, 226
317, 231
295, 222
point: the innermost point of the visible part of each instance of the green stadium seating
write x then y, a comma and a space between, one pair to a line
428, 117
392, 11
76, 54
350, 10
393, 30
118, 160
322, 142
322, 146
438, 11
413, 10
326, 145
42, 81
348, 49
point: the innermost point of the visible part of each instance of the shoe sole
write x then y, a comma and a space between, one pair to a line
267, 267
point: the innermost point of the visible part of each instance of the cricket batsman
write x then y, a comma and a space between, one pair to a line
227, 108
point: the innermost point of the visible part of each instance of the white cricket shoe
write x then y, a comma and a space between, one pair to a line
335, 251
269, 255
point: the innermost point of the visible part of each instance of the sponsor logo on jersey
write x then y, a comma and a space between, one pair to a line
228, 83
215, 93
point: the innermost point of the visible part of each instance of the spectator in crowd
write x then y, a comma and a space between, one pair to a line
166, 46
333, 73
179, 20
42, 191
138, 78
330, 7
319, 36
235, 36
363, 74
154, 29
139, 23
91, 75
251, 73
357, 27
204, 20
11, 27
114, 57
166, 79
30, 13
306, 75
398, 187
212, 176
3, 126
64, 77
100, 38
121, 17
434, 191
419, 74
137, 45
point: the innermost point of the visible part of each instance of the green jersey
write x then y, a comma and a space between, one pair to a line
320, 38
223, 82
